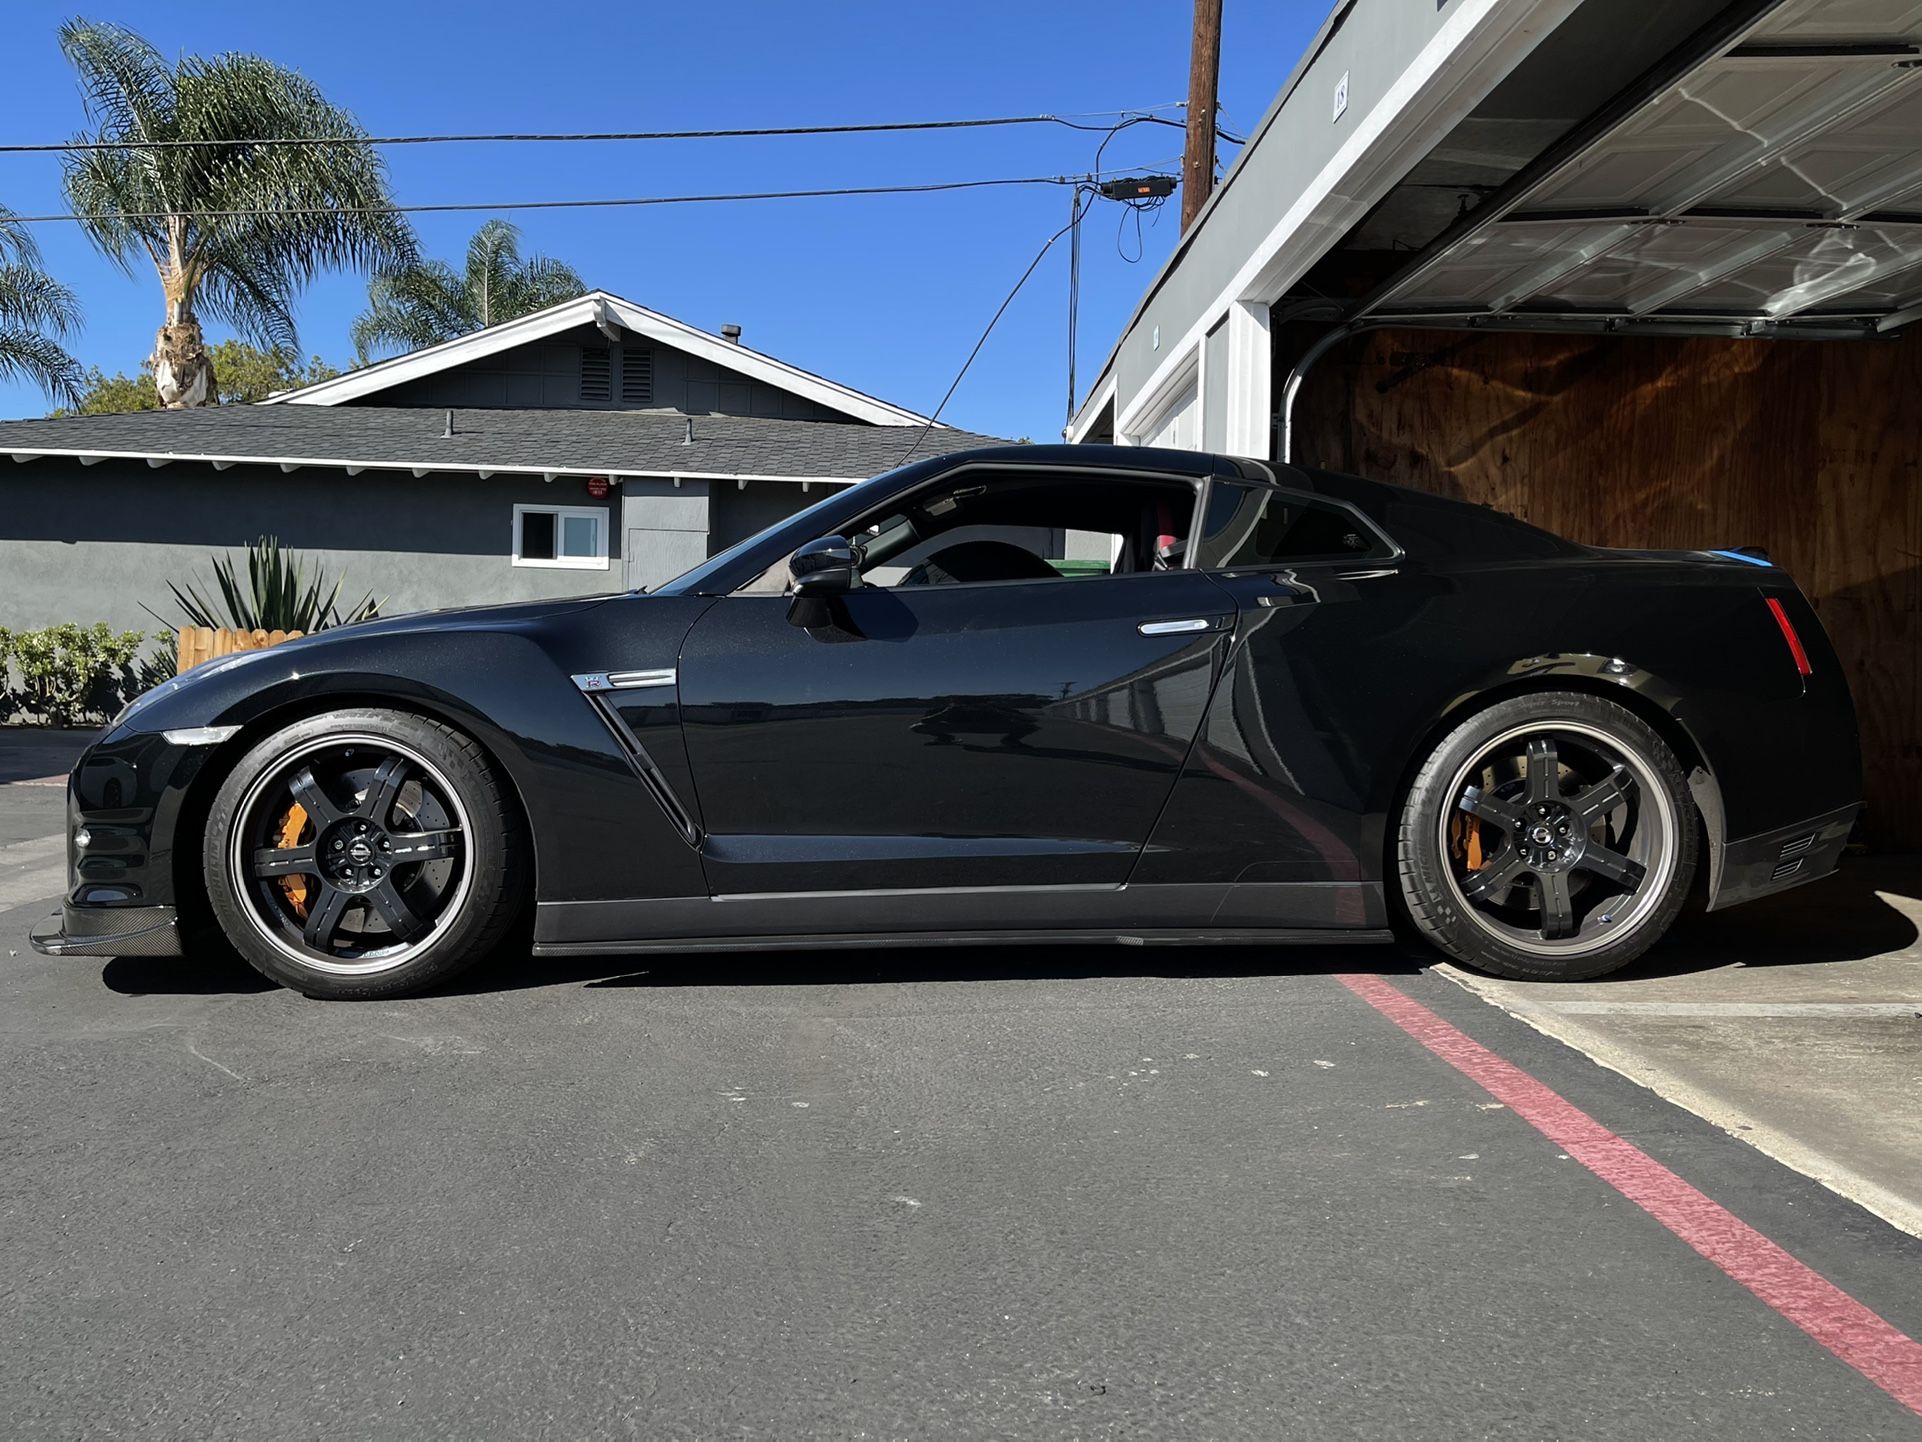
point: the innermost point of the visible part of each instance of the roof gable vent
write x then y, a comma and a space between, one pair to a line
637, 376
596, 374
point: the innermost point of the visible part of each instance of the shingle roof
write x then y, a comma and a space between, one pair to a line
572, 441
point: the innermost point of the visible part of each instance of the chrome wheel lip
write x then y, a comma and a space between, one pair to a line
1655, 883
238, 868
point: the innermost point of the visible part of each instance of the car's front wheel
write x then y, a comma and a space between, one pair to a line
1551, 836
363, 853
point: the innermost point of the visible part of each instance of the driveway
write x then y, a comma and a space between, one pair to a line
1071, 1192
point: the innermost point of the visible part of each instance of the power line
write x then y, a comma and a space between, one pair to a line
592, 204
995, 320
1071, 121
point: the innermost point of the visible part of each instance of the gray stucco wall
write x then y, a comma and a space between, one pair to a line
94, 543
547, 374
736, 512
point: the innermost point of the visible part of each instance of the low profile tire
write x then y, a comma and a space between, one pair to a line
1550, 837
363, 854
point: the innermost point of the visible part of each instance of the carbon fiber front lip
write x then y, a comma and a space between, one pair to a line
66, 934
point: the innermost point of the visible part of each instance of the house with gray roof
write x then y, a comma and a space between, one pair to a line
592, 446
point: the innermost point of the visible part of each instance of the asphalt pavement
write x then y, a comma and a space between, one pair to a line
1088, 1192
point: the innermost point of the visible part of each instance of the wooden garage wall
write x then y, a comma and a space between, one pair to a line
1807, 448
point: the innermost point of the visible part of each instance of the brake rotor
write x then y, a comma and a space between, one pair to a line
294, 888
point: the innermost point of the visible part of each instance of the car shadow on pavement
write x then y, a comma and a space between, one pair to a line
205, 971
1844, 917
895, 964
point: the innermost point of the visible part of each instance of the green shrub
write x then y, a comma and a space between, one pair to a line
70, 674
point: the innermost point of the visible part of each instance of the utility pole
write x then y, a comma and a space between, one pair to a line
1204, 73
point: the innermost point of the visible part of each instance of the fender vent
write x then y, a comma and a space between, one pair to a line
1797, 846
1786, 870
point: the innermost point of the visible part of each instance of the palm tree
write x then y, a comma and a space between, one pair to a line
431, 302
234, 227
36, 313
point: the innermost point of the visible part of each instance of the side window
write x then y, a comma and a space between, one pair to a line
981, 525
1247, 527
1068, 552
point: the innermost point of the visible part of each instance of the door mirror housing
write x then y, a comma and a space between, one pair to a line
817, 572
830, 566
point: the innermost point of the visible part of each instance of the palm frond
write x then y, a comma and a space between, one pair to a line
126, 84
245, 226
543, 282
17, 245
31, 298
36, 313
429, 303
27, 355
257, 304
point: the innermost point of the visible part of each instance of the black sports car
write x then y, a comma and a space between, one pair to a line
1030, 694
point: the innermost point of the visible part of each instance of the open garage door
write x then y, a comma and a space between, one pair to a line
1688, 319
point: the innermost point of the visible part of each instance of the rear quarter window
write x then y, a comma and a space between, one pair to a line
1248, 527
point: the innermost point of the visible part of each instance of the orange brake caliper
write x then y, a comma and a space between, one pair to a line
295, 887
1465, 834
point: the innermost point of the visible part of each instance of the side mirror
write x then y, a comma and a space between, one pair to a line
830, 566
822, 569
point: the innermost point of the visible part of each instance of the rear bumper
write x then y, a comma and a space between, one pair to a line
108, 931
1777, 860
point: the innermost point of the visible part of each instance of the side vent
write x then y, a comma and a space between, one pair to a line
637, 376
596, 374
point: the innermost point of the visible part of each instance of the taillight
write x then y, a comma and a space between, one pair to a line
1788, 635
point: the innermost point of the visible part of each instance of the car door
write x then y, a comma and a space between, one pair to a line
996, 734
1281, 791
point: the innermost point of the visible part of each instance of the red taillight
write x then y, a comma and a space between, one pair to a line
1788, 635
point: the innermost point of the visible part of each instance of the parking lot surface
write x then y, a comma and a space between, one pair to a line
1073, 1192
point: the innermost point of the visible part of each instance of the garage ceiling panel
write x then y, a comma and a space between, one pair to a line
1819, 271
1721, 193
1836, 22
1498, 263
1662, 261
1875, 160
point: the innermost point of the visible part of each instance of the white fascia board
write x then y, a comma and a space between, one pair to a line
90, 457
1173, 383
600, 308
1099, 399
1471, 53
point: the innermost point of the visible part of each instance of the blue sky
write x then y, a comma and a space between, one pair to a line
884, 293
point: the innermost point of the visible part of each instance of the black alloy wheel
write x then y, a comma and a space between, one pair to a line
1549, 836
362, 854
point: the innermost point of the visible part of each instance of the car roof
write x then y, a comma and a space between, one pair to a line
1421, 522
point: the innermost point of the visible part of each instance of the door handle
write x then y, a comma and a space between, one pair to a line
1176, 628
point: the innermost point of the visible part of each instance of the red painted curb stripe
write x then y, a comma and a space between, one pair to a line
1889, 1358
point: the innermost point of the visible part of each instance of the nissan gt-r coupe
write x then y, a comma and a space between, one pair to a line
1039, 693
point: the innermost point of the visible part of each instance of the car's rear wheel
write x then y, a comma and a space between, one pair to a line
1550, 837
362, 854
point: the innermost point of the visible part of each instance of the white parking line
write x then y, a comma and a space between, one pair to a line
1719, 1010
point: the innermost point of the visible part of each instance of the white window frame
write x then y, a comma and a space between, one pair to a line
561, 514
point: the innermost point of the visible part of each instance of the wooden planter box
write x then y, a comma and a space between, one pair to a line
204, 643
